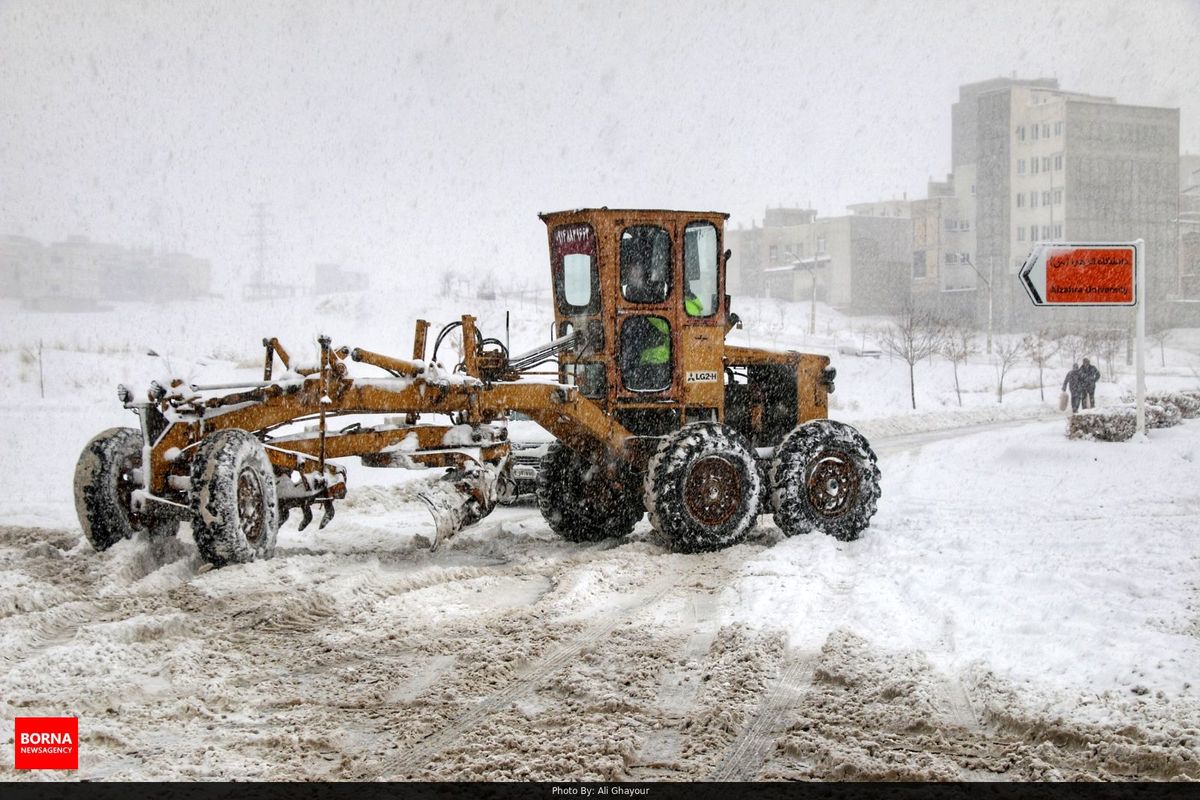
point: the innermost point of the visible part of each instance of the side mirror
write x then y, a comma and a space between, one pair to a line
727, 254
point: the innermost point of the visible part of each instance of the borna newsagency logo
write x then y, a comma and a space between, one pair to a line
46, 743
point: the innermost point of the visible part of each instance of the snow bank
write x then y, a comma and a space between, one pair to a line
1061, 565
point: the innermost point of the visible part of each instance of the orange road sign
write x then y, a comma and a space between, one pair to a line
1081, 274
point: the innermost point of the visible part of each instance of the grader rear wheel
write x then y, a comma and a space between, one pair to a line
703, 488
824, 475
583, 501
235, 512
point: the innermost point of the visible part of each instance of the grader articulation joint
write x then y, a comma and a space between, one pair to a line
653, 413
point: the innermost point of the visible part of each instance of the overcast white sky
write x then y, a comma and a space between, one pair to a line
407, 138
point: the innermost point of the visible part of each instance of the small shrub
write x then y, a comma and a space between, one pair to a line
1103, 425
1118, 424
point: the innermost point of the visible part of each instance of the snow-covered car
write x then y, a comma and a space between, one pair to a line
861, 346
529, 442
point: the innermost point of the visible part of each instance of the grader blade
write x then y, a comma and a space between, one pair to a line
463, 497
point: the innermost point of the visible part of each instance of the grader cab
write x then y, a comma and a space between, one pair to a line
652, 410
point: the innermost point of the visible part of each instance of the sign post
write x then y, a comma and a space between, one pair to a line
1083, 274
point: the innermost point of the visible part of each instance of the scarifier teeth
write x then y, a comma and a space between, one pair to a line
306, 516
327, 517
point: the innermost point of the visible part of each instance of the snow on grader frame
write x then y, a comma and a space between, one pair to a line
652, 410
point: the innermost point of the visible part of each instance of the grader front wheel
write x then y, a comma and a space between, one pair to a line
105, 479
824, 475
235, 514
703, 488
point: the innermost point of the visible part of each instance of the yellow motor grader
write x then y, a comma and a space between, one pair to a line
652, 410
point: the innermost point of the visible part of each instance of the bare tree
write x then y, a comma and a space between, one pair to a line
958, 345
1159, 337
1008, 352
1074, 345
915, 335
1040, 346
1108, 344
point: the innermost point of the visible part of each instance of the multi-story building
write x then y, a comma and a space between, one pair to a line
1189, 230
943, 269
1052, 165
858, 264
15, 253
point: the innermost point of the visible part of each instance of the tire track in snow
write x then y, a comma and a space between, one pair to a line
678, 690
755, 745
419, 753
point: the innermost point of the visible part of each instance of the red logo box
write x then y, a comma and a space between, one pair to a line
46, 743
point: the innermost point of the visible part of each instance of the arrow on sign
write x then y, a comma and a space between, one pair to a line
1081, 274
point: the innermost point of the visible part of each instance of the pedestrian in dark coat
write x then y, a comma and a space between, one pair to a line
1074, 382
1089, 376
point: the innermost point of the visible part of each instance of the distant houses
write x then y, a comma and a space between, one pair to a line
81, 275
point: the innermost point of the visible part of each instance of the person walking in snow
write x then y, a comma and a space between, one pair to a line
1074, 382
1089, 376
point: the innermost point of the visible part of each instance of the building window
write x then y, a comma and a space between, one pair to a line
1020, 166
951, 258
1045, 231
951, 224
1045, 163
774, 254
964, 225
972, 188
1033, 199
1058, 129
1020, 199
1033, 132
918, 269
1045, 130
1021, 234
1058, 161
1033, 166
1046, 198
1058, 194
1058, 231
820, 244
964, 258
1021, 134
1033, 233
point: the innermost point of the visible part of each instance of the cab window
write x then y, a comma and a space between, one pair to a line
646, 354
700, 269
645, 264
576, 282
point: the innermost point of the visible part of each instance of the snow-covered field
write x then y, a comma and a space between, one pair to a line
1023, 606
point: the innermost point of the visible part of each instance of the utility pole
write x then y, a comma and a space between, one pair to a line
988, 281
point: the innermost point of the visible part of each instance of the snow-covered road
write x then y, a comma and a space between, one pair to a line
1022, 607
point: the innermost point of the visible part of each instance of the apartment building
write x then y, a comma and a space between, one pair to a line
1053, 165
858, 264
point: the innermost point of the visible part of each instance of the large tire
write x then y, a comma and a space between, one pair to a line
235, 514
580, 502
104, 486
824, 475
703, 488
